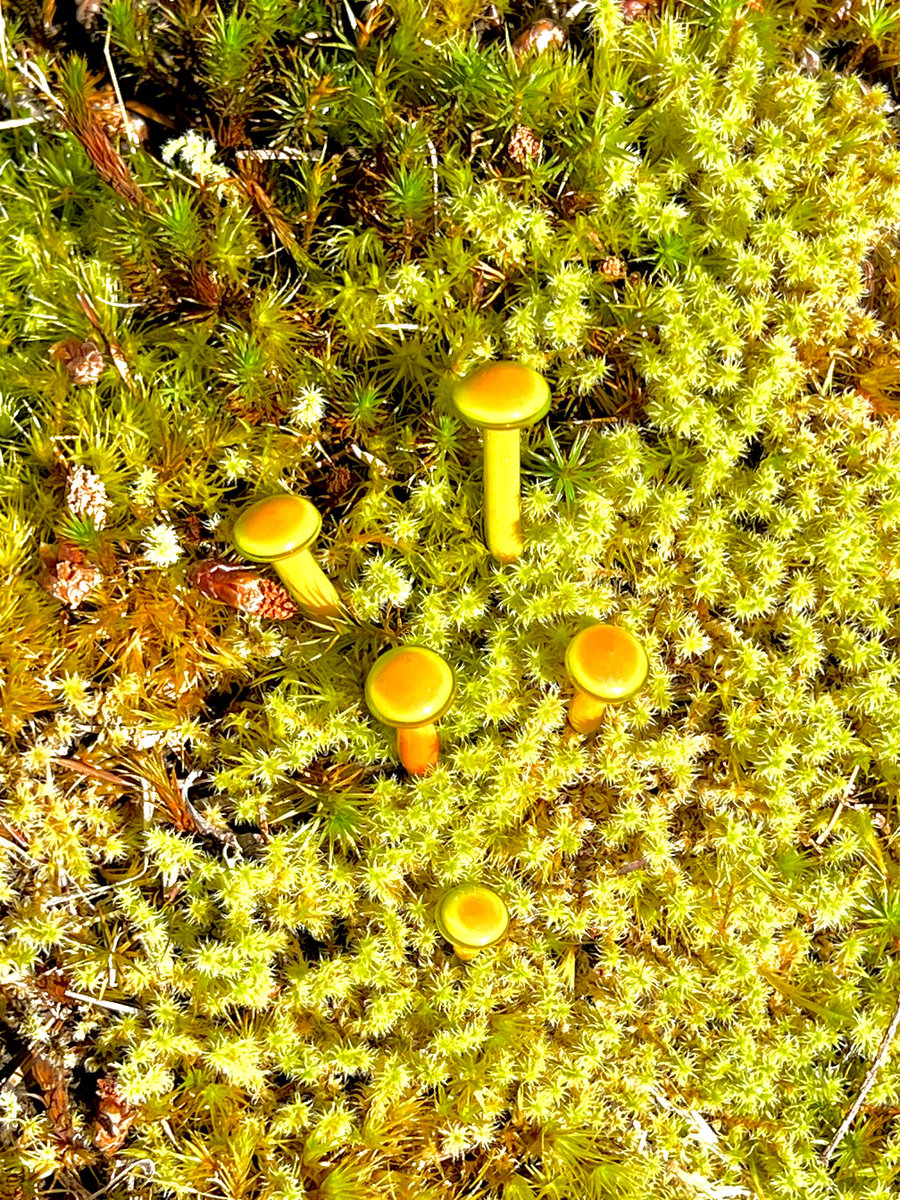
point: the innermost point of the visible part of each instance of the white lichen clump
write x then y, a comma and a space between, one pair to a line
161, 545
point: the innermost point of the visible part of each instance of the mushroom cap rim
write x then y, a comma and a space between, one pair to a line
578, 679
485, 423
255, 556
457, 941
379, 713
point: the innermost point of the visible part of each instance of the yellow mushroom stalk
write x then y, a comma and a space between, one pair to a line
409, 689
606, 665
471, 917
280, 530
500, 399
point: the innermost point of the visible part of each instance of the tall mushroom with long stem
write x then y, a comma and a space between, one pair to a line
472, 917
280, 530
501, 398
607, 665
409, 688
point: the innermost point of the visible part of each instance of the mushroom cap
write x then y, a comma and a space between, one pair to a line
608, 663
471, 915
502, 395
276, 527
410, 686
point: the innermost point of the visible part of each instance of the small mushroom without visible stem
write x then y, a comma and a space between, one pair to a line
409, 688
501, 398
279, 530
472, 917
607, 665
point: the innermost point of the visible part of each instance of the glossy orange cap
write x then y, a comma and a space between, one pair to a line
275, 527
471, 915
607, 662
502, 395
410, 686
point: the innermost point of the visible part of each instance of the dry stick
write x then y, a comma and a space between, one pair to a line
131, 135
111, 1004
115, 350
630, 866
837, 812
868, 1083
83, 768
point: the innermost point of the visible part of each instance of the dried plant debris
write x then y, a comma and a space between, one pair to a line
220, 969
243, 588
67, 574
86, 496
83, 361
115, 1116
539, 37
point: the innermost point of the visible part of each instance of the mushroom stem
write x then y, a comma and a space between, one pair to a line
307, 583
419, 748
466, 953
502, 520
585, 713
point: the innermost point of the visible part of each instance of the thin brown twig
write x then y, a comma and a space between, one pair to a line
83, 768
113, 347
630, 866
868, 1083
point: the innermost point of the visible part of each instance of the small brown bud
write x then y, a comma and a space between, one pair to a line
339, 481
613, 267
242, 588
114, 1116
272, 602
66, 575
631, 9
524, 145
539, 37
82, 360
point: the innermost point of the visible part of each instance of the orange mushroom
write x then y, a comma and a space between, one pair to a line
607, 665
409, 688
279, 530
472, 917
501, 398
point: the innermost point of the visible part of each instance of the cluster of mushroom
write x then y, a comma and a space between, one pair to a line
410, 688
498, 398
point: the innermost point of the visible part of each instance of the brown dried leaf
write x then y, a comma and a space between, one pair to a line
263, 204
107, 161
82, 360
66, 575
539, 37
115, 350
55, 984
54, 1085
115, 1116
204, 286
242, 588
